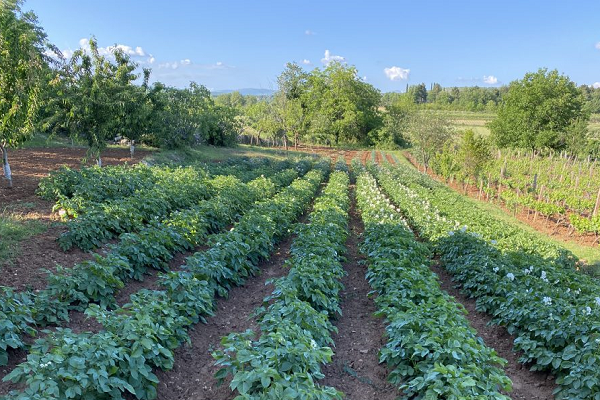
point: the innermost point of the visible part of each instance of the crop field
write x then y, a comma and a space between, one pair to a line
293, 278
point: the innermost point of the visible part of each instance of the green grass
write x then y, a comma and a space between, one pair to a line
14, 228
42, 140
212, 154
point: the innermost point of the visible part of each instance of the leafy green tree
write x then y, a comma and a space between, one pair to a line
342, 108
436, 89
134, 113
185, 117
396, 124
418, 93
539, 111
290, 102
22, 66
94, 92
259, 120
473, 154
428, 133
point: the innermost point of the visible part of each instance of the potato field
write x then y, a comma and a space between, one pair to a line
301, 278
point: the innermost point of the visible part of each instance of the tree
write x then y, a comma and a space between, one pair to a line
396, 123
261, 119
341, 106
134, 113
538, 112
289, 102
473, 154
95, 92
418, 93
429, 132
22, 63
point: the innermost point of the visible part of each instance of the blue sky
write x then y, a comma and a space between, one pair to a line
245, 44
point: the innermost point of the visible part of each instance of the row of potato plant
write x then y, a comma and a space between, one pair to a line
142, 334
173, 188
552, 309
104, 221
283, 360
457, 208
80, 186
432, 351
99, 279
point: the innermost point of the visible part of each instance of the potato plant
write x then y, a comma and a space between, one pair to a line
527, 285
432, 351
142, 334
285, 360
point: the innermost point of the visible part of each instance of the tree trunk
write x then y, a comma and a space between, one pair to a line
6, 166
296, 141
132, 148
99, 161
285, 142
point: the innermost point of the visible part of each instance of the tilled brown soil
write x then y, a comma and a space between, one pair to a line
390, 159
355, 369
527, 385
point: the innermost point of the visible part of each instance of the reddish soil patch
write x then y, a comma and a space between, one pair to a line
378, 157
559, 230
333, 153
41, 252
365, 157
390, 159
355, 369
527, 385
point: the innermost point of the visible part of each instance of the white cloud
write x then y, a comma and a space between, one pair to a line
67, 53
598, 45
137, 52
596, 85
396, 73
329, 58
490, 80
308, 32
188, 63
306, 62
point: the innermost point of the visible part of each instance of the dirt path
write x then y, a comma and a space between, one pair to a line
378, 157
193, 374
527, 385
390, 159
355, 369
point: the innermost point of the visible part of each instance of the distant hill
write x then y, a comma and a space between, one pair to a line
245, 92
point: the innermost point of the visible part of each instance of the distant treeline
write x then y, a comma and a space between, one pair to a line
471, 98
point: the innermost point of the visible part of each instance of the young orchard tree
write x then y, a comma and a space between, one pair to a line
22, 67
429, 132
95, 92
